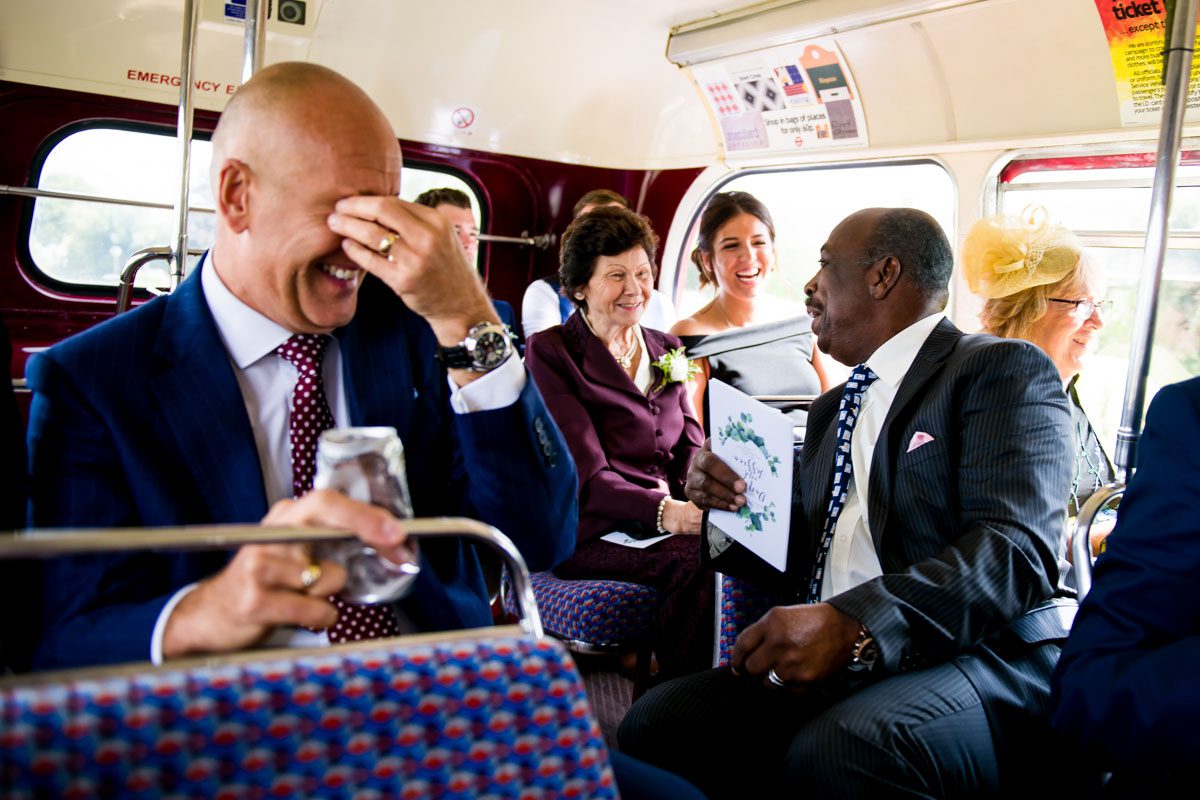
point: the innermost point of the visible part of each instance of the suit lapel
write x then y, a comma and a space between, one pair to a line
929, 360
376, 394
817, 468
199, 399
601, 366
656, 348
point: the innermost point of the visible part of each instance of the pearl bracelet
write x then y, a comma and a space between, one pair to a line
662, 504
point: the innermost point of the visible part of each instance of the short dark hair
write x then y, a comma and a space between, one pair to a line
606, 231
918, 243
721, 208
443, 197
598, 197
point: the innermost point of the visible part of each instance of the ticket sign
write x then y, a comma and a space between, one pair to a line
1136, 32
795, 97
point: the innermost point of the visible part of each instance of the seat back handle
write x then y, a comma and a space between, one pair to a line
1081, 542
55, 542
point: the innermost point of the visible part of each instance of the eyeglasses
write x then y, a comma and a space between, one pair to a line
1084, 308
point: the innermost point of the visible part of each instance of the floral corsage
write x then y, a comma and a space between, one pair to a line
675, 368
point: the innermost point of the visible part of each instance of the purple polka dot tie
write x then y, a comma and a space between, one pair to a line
310, 418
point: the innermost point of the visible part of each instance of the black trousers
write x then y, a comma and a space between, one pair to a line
919, 734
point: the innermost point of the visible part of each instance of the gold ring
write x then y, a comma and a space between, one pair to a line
386, 244
310, 575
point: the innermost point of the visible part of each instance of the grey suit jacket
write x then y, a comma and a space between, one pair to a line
968, 527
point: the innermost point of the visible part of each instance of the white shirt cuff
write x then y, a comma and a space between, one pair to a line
160, 626
499, 388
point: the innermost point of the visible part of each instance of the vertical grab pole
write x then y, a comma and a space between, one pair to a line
191, 15
1178, 60
255, 37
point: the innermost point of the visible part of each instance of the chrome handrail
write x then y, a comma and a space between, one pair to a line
1081, 540
254, 39
1178, 58
136, 261
54, 542
34, 193
543, 242
191, 19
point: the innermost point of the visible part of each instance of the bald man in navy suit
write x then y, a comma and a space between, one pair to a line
179, 412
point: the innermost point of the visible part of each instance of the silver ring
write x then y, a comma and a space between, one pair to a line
310, 575
386, 244
774, 679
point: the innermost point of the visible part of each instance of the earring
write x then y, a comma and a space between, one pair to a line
579, 295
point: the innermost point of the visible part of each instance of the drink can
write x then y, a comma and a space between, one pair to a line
366, 464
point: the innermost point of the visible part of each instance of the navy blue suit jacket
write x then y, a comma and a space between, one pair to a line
140, 422
1125, 690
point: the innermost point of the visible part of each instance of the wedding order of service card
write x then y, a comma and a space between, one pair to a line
755, 440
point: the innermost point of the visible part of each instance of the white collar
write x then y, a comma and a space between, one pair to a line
891, 361
246, 334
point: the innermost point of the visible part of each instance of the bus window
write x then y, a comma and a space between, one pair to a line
414, 181
85, 242
116, 172
806, 204
1106, 201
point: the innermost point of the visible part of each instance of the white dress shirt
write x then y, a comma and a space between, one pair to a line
852, 558
267, 383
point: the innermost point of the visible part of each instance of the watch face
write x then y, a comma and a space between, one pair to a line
491, 348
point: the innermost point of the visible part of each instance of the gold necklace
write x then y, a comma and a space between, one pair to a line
721, 311
626, 360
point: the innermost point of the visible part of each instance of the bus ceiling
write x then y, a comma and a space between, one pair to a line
630, 84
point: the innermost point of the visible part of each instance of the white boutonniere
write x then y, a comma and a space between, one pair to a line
675, 368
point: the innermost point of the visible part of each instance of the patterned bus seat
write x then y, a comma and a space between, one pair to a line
452, 716
597, 613
739, 605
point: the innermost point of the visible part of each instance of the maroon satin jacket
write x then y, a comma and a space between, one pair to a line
624, 442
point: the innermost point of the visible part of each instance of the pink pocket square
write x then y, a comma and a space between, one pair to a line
919, 438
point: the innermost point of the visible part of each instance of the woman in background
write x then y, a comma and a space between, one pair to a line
1038, 285
624, 411
544, 304
755, 343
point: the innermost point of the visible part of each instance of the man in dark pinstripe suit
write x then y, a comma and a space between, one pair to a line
921, 666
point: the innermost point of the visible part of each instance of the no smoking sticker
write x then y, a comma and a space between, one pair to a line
462, 118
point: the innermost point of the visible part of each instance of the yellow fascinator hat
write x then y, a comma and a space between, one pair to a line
1005, 255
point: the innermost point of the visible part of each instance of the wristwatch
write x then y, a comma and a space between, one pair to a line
865, 652
486, 347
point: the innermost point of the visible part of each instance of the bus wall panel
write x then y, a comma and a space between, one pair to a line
520, 195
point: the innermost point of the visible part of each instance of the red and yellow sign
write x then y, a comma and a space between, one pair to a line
1136, 31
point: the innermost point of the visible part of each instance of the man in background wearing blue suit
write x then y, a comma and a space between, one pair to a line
180, 412
1125, 692
456, 206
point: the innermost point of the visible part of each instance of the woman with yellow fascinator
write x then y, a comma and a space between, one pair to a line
1039, 285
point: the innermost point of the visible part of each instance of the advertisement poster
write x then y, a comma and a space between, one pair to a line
1136, 32
784, 99
756, 441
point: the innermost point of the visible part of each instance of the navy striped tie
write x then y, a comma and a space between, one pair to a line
843, 467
